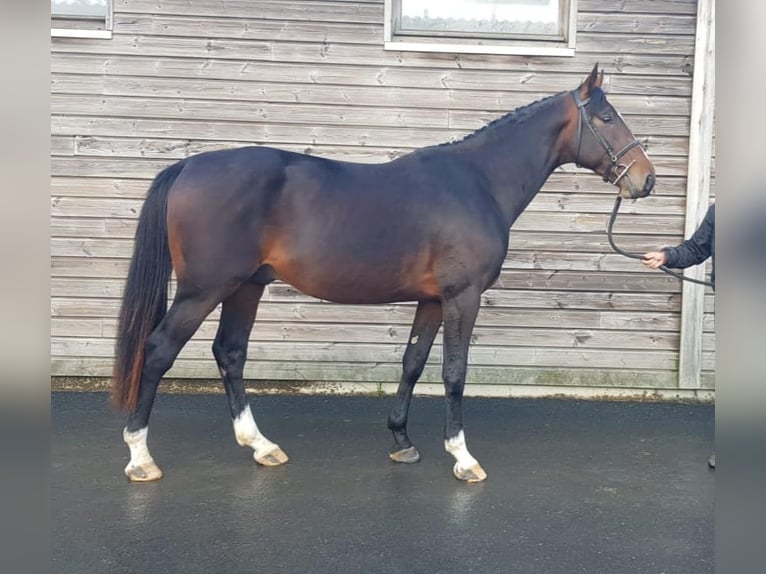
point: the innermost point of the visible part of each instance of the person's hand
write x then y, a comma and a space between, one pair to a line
654, 259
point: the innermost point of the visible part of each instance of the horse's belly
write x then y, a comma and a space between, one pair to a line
360, 285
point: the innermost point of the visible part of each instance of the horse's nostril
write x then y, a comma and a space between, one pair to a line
649, 183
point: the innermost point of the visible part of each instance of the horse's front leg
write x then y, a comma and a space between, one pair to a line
428, 318
459, 318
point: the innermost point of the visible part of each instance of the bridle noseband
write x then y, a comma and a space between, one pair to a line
620, 169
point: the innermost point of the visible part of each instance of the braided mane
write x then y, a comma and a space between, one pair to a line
517, 116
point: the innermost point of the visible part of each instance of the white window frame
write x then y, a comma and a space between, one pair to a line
511, 46
86, 32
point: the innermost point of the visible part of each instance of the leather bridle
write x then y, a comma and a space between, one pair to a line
620, 170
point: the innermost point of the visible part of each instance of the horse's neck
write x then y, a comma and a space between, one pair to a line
517, 157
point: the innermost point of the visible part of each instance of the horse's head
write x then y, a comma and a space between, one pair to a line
602, 142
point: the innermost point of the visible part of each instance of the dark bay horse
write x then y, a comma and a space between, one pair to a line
431, 226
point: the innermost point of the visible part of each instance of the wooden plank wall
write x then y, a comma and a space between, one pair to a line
184, 76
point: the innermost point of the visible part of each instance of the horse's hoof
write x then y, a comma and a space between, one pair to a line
407, 455
473, 474
143, 473
274, 457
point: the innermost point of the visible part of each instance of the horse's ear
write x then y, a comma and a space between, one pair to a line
592, 81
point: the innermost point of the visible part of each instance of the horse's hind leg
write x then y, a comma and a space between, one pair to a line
459, 317
428, 318
230, 350
163, 345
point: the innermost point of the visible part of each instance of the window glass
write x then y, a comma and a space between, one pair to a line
79, 8
81, 18
477, 18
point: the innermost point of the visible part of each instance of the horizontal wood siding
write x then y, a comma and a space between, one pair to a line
180, 77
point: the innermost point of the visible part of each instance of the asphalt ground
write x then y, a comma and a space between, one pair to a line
574, 486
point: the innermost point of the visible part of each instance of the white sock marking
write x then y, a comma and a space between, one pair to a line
136, 441
456, 447
247, 433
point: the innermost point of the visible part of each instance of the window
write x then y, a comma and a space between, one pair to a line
524, 27
81, 18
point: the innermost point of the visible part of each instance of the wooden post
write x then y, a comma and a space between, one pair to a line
698, 190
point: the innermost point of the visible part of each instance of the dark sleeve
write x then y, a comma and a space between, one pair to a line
697, 248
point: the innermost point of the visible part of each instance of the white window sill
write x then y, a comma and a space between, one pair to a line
478, 49
73, 33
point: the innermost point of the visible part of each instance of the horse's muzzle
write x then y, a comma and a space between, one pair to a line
649, 184
634, 192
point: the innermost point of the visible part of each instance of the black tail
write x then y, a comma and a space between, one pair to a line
145, 299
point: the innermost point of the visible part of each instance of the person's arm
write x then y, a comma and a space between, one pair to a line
693, 251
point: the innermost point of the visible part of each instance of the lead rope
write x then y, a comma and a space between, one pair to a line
609, 227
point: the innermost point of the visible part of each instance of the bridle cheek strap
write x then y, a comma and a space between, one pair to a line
620, 169
580, 111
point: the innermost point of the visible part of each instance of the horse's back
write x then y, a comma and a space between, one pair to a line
342, 231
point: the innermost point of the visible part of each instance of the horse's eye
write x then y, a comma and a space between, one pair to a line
607, 118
